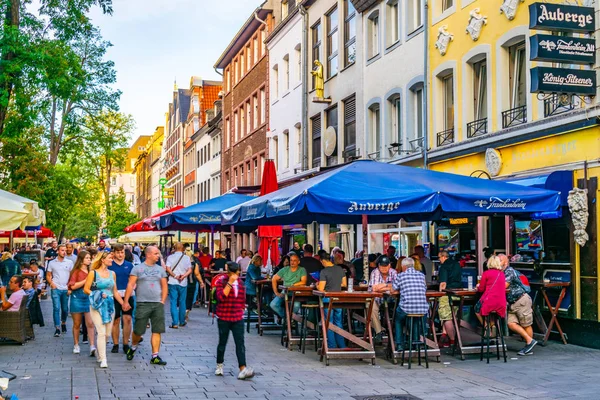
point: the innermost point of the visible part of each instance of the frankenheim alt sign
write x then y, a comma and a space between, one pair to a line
562, 49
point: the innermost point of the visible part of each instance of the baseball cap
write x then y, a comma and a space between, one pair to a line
383, 260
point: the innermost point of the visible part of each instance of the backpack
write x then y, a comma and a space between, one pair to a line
213, 301
523, 281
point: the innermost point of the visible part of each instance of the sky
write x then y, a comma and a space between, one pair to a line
156, 42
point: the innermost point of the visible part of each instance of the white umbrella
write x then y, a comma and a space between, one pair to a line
18, 212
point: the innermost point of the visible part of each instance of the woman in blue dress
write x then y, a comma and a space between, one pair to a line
80, 302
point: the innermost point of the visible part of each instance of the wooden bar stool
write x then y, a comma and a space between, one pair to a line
305, 311
421, 332
486, 335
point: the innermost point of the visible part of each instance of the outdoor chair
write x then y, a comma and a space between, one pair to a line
421, 333
486, 335
13, 324
306, 310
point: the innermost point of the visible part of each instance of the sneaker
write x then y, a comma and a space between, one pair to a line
130, 353
125, 348
378, 338
174, 326
103, 364
246, 373
444, 341
219, 370
522, 351
184, 324
92, 351
85, 340
115, 348
57, 333
76, 349
63, 327
530, 346
157, 361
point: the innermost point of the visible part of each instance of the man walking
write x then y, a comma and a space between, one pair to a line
122, 270
231, 302
51, 253
70, 253
57, 277
179, 267
150, 281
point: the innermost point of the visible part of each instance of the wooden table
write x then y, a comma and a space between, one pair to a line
265, 323
348, 301
469, 297
293, 294
547, 329
433, 350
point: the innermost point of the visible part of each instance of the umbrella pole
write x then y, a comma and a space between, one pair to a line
212, 239
365, 231
233, 246
196, 244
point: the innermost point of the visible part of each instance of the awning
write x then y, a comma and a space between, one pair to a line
149, 224
560, 181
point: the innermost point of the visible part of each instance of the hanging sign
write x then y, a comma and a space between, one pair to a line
562, 80
554, 48
560, 17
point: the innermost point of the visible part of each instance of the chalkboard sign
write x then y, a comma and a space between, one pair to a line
25, 257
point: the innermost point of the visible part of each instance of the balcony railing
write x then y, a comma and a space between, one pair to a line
416, 144
445, 137
514, 116
558, 104
477, 127
351, 153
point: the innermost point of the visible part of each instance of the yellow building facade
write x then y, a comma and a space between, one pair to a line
484, 121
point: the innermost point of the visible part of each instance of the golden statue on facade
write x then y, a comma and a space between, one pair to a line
317, 72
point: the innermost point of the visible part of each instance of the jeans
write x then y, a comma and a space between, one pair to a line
278, 306
400, 323
60, 306
191, 294
335, 340
177, 295
237, 330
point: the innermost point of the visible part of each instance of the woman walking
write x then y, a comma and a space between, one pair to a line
101, 286
80, 302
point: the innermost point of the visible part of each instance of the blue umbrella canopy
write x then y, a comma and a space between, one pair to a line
386, 193
202, 216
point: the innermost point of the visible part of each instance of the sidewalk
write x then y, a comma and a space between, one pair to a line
47, 369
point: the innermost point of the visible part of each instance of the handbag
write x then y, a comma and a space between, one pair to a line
480, 302
94, 286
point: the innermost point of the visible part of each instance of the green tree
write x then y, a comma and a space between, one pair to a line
121, 215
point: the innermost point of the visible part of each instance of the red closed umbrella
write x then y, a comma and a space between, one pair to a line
268, 236
149, 224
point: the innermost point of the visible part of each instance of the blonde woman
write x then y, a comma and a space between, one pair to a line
417, 259
80, 302
101, 286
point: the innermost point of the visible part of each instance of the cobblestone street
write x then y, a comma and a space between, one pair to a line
47, 369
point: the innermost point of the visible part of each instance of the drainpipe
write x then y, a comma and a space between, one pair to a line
304, 87
261, 21
425, 226
217, 71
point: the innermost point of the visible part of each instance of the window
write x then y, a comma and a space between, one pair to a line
298, 133
373, 35
480, 90
275, 82
242, 122
255, 47
248, 57
248, 174
298, 63
255, 111
286, 147
236, 127
414, 15
235, 173
227, 132
446, 4
316, 46
284, 9
395, 128
113, 181
448, 99
256, 179
242, 69
237, 71
242, 176
332, 43
350, 127
263, 45
349, 33
316, 140
332, 121
374, 144
276, 152
518, 83
248, 118
286, 71
263, 106
392, 23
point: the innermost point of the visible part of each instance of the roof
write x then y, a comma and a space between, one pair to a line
243, 35
184, 103
363, 5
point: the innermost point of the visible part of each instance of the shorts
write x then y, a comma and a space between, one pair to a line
521, 312
119, 310
444, 309
155, 312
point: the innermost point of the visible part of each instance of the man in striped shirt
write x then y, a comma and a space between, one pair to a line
413, 300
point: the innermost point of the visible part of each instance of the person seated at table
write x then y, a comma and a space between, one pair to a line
310, 264
380, 282
332, 279
252, 274
219, 262
13, 303
413, 299
28, 289
347, 266
520, 311
450, 277
285, 262
398, 266
418, 265
294, 275
8, 268
493, 288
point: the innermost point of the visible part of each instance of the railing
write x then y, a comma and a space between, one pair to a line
351, 153
558, 104
416, 144
477, 127
514, 116
445, 137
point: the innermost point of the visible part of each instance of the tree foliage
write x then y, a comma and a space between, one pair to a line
121, 215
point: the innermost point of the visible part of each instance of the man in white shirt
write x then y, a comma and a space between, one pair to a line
243, 260
57, 277
178, 267
71, 253
18, 295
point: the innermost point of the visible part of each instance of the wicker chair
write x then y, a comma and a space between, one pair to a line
12, 324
